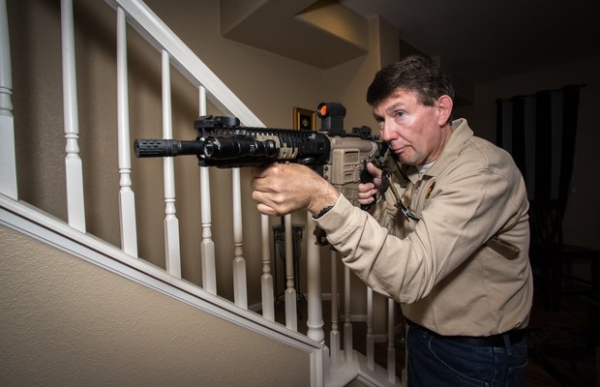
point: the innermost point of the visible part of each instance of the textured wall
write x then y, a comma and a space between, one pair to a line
65, 322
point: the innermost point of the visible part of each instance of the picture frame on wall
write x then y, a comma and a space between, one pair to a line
304, 119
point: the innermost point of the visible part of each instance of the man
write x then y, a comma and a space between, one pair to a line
449, 242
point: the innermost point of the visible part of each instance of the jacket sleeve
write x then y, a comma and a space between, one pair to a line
465, 209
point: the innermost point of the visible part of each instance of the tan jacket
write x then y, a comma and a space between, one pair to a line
446, 270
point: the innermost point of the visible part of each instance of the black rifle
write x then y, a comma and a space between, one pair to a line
337, 156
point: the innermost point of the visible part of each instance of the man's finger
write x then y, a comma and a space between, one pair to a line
374, 171
258, 172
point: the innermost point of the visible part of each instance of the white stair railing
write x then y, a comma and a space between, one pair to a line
8, 165
171, 223
126, 195
74, 167
291, 312
239, 262
266, 280
315, 303
207, 246
175, 54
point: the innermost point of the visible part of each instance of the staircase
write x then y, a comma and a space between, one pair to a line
61, 252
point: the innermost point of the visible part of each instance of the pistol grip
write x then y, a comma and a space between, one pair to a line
366, 177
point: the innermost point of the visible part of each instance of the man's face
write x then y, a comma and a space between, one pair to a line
414, 132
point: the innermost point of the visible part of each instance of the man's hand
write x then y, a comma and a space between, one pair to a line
280, 189
367, 192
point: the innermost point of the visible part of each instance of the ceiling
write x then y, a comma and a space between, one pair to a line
486, 40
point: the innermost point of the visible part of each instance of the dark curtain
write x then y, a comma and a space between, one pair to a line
539, 132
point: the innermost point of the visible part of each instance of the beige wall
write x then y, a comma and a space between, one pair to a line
582, 221
67, 322
270, 84
348, 82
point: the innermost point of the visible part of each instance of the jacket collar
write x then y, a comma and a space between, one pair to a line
461, 133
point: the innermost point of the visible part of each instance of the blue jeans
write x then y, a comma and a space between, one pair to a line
436, 361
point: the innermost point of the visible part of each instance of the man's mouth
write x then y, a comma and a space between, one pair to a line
398, 150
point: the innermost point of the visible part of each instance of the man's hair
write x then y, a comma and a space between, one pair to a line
414, 73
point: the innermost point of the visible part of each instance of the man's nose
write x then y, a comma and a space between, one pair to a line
385, 132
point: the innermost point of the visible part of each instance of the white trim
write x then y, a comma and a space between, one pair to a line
8, 164
156, 32
73, 162
127, 216
44, 227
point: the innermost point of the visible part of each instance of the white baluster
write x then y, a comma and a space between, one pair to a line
334, 335
240, 291
391, 350
266, 281
291, 313
73, 165
207, 248
8, 164
171, 223
370, 339
348, 349
314, 302
126, 195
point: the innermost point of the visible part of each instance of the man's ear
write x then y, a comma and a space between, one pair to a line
444, 105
